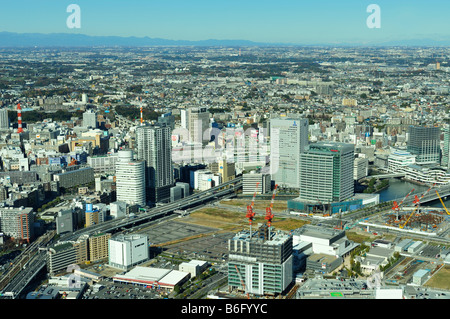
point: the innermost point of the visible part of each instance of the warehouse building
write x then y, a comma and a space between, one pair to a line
415, 247
126, 251
420, 277
403, 245
153, 277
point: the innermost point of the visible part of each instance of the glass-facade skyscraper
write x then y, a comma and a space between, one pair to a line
424, 142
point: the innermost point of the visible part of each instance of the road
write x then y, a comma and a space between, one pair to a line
15, 283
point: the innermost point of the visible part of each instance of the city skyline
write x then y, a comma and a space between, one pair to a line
321, 22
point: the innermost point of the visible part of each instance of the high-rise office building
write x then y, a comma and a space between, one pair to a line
90, 119
196, 121
260, 262
4, 120
154, 147
424, 142
130, 179
445, 160
326, 172
288, 139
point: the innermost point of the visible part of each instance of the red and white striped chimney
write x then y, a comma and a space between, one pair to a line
19, 119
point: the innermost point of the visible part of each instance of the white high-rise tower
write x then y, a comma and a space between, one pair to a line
130, 179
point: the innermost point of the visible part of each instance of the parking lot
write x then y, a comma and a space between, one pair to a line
171, 231
112, 290
212, 248
332, 288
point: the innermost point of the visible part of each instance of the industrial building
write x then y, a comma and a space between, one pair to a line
415, 247
126, 251
420, 276
403, 245
260, 262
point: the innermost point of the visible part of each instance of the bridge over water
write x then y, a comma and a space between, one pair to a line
443, 190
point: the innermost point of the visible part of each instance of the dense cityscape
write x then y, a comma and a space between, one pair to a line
225, 173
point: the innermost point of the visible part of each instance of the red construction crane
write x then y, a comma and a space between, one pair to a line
250, 213
269, 214
416, 202
396, 207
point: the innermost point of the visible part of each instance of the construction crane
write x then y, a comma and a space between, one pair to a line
242, 281
442, 202
416, 201
269, 214
396, 207
250, 213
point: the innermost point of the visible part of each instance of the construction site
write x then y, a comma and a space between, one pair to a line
416, 217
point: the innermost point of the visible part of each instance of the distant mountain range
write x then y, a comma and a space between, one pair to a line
11, 39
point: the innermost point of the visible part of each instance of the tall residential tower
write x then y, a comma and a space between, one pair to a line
154, 147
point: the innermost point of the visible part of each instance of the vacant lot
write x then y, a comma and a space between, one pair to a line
359, 237
440, 280
216, 217
278, 205
235, 221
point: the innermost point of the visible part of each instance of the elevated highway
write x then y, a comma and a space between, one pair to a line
15, 283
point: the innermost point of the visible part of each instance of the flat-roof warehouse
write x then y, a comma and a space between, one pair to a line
146, 276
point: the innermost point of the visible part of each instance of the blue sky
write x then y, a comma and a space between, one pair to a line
287, 21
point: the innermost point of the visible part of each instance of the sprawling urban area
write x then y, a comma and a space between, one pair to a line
225, 173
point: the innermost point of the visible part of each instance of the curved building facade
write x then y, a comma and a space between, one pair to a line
130, 179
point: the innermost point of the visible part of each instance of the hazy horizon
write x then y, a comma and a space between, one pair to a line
291, 22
